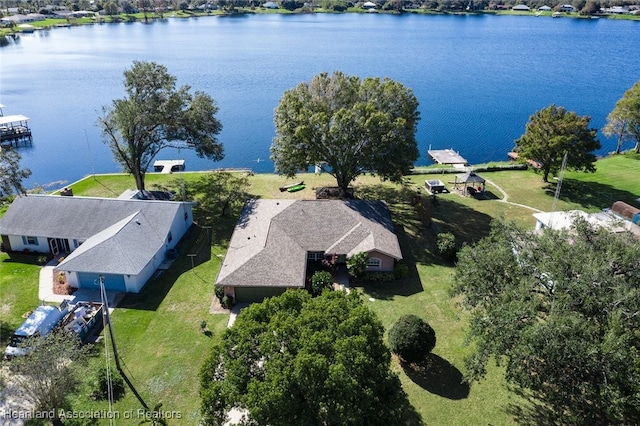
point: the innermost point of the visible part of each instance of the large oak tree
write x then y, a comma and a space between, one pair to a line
11, 175
155, 115
561, 311
552, 132
624, 121
297, 360
348, 126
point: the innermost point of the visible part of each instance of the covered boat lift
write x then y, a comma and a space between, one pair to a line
14, 129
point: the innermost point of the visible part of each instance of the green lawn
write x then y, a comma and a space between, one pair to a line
158, 331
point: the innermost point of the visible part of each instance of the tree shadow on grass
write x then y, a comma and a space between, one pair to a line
410, 417
438, 376
533, 412
590, 195
390, 194
26, 258
467, 224
486, 195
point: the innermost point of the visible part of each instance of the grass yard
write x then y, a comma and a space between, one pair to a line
158, 331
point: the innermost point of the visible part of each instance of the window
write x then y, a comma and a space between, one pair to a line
374, 262
186, 215
169, 237
315, 255
30, 241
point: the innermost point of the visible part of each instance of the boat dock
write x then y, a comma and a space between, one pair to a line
447, 156
14, 129
168, 166
513, 156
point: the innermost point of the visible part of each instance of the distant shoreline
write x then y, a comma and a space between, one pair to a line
51, 23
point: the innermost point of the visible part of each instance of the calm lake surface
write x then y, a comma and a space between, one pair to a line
478, 78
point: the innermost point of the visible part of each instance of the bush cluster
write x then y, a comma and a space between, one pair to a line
101, 386
400, 271
375, 276
411, 338
319, 281
447, 246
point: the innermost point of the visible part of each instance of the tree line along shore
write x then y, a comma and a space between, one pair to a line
28, 17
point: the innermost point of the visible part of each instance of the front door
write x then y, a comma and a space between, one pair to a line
53, 245
57, 245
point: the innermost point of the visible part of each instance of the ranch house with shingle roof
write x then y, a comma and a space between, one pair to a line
122, 240
274, 239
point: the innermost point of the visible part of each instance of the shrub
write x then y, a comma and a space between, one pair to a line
411, 338
447, 246
227, 301
400, 271
376, 276
357, 264
319, 281
101, 386
219, 291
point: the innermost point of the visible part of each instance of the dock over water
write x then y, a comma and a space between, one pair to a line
168, 166
447, 156
14, 129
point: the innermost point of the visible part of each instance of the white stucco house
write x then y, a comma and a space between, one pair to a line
274, 240
122, 240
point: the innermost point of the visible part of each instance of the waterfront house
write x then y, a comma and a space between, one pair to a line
124, 241
521, 8
274, 240
16, 19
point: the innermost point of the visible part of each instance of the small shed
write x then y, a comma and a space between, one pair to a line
469, 183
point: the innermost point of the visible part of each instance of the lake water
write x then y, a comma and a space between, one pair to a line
477, 78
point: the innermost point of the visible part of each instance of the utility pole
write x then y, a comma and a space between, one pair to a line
105, 306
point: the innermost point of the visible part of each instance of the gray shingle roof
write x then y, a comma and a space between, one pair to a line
120, 236
124, 248
270, 243
79, 217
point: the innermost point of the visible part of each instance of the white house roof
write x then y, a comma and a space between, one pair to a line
269, 244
